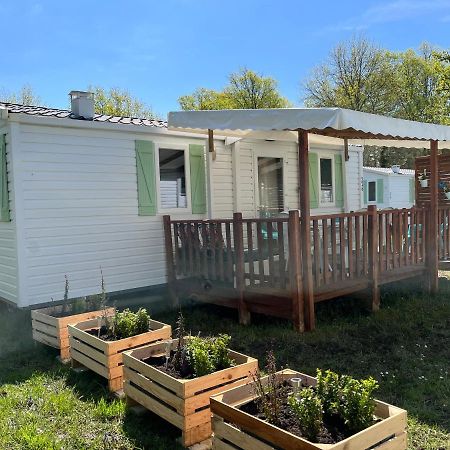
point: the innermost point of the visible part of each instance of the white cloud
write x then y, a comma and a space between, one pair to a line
392, 11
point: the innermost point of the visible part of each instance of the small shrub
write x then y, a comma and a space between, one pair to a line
357, 403
207, 355
269, 396
127, 323
308, 408
348, 398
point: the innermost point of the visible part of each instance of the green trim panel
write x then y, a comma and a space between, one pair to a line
4, 194
313, 180
339, 181
380, 190
146, 178
198, 178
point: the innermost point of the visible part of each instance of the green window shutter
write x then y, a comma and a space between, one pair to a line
4, 195
366, 192
146, 178
380, 190
339, 181
313, 180
411, 190
198, 178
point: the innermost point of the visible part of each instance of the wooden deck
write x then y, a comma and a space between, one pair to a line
260, 265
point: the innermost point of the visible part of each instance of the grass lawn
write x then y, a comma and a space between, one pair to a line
406, 347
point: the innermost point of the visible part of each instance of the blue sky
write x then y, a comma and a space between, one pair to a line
159, 50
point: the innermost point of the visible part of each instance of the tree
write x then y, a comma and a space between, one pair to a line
249, 90
204, 99
246, 89
357, 76
417, 88
119, 102
25, 96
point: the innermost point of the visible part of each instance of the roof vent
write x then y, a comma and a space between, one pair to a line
395, 169
82, 104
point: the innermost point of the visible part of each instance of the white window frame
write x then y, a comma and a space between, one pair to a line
269, 153
333, 180
187, 171
369, 202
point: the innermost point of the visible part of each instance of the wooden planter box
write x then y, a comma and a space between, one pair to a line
105, 357
183, 403
235, 429
52, 331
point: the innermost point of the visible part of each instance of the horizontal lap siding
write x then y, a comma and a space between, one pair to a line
81, 213
8, 247
222, 182
354, 179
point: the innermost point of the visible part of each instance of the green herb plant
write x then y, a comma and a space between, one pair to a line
128, 323
308, 409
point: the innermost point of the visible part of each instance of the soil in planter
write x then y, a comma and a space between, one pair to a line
104, 335
333, 431
159, 362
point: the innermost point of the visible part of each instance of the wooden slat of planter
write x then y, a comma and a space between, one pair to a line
231, 434
52, 331
184, 403
224, 406
104, 357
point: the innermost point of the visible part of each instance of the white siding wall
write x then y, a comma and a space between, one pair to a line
399, 191
80, 213
8, 247
354, 179
222, 189
396, 189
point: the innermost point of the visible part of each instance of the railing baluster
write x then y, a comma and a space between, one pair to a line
251, 267
316, 252
326, 263
342, 247
260, 252
412, 233
350, 245
229, 254
282, 257
334, 249
406, 236
357, 246
270, 250
366, 245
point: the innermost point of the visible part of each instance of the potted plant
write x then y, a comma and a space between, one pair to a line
290, 410
49, 325
423, 180
175, 379
99, 343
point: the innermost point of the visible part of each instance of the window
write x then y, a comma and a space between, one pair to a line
326, 180
172, 176
372, 191
270, 184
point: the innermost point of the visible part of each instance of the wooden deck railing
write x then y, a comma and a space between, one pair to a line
444, 232
268, 255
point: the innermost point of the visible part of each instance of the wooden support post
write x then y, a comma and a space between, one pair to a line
433, 227
346, 154
305, 232
373, 256
238, 235
295, 271
171, 277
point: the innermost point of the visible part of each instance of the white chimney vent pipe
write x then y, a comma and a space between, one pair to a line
82, 104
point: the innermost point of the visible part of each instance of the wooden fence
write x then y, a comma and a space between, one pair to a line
259, 264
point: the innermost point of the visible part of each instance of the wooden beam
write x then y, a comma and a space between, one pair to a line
211, 141
238, 235
373, 256
433, 229
346, 155
305, 232
295, 271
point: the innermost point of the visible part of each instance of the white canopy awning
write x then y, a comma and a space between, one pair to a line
359, 127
